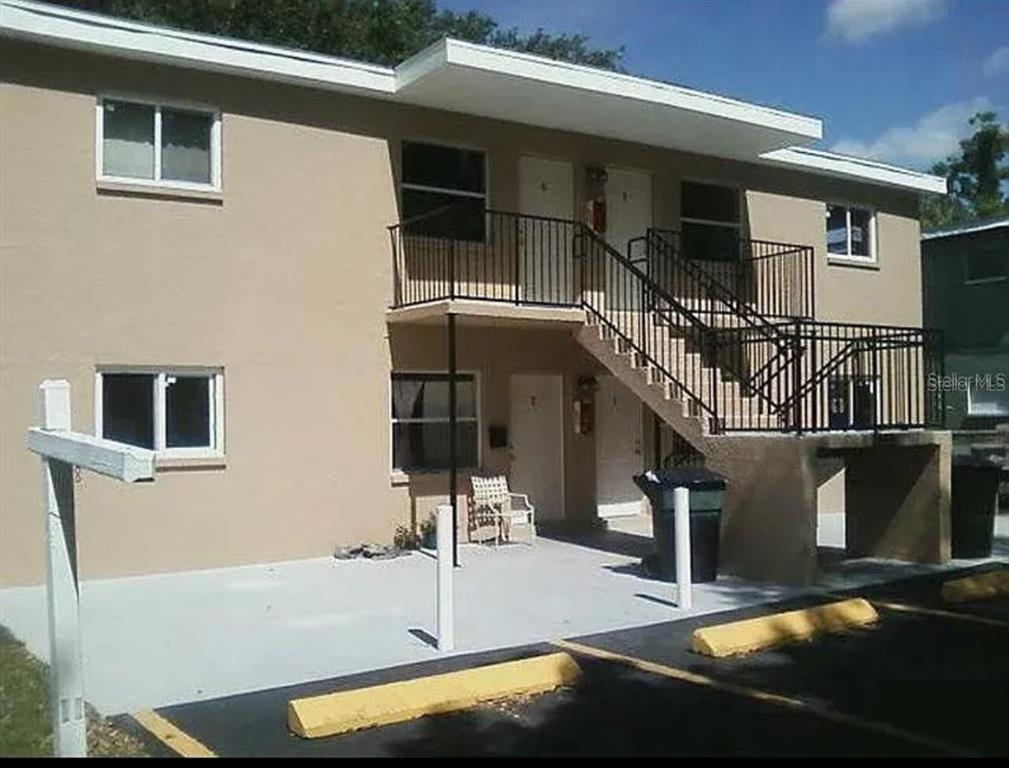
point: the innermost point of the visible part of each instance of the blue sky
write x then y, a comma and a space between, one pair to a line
892, 79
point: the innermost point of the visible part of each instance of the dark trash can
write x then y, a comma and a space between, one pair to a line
973, 501
707, 493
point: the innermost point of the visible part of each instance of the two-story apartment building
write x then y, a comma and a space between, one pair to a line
272, 267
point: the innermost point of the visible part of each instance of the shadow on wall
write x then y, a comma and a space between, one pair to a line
892, 498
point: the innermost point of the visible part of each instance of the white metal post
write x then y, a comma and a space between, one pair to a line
446, 630
681, 511
66, 679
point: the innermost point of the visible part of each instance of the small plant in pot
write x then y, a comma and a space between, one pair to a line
429, 533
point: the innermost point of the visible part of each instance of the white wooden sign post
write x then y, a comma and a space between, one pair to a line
62, 450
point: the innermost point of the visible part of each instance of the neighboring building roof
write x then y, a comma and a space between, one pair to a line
481, 80
966, 229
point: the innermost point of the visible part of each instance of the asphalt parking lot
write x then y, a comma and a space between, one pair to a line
931, 679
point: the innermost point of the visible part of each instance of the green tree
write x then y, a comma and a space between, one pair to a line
976, 177
378, 31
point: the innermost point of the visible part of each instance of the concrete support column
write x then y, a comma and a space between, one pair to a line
768, 529
897, 501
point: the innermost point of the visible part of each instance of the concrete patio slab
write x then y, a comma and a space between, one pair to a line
158, 640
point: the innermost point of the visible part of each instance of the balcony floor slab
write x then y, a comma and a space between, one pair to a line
471, 312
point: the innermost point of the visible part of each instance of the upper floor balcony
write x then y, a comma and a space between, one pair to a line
466, 252
725, 325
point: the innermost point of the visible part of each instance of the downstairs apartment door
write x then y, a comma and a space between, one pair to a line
537, 442
618, 449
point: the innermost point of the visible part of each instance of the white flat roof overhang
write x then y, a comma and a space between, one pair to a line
452, 75
855, 168
478, 80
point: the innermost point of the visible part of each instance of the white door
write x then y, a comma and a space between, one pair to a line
618, 449
537, 451
546, 267
628, 215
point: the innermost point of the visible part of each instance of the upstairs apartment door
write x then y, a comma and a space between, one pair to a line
545, 248
628, 215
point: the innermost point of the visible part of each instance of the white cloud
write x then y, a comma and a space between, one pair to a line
997, 63
932, 138
855, 21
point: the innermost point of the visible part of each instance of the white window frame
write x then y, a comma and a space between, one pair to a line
215, 378
848, 255
157, 182
478, 419
981, 414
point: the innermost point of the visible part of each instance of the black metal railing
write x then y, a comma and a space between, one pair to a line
775, 280
664, 335
733, 365
504, 257
840, 376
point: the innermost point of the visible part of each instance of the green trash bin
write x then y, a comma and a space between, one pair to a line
707, 495
973, 501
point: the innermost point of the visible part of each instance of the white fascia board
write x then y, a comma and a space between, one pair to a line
846, 167
421, 63
451, 52
80, 30
966, 230
106, 457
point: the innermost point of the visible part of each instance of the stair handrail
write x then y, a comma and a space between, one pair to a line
876, 339
655, 237
709, 335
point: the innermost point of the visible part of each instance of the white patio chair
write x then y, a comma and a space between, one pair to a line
492, 499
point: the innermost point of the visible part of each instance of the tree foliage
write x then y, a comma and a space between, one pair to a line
976, 177
379, 31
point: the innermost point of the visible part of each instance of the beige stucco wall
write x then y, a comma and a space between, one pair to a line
495, 354
887, 292
283, 282
256, 284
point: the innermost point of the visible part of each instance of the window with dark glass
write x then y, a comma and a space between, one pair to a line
187, 412
709, 221
986, 265
162, 410
420, 421
185, 145
128, 408
446, 186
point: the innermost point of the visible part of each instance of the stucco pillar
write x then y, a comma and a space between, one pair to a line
897, 501
768, 530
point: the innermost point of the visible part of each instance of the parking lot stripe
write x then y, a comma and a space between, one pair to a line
765, 696
901, 607
170, 735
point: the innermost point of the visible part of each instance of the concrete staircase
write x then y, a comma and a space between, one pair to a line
670, 399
